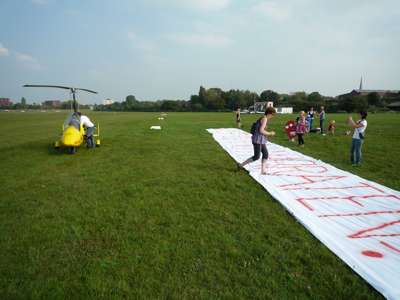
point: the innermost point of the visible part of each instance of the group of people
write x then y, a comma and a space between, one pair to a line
260, 137
304, 125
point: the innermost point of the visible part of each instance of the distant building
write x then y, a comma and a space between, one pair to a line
394, 106
381, 93
284, 110
331, 101
185, 103
108, 102
56, 103
262, 106
5, 102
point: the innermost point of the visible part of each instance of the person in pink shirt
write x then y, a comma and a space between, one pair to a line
301, 122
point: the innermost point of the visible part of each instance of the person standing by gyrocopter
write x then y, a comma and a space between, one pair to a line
85, 121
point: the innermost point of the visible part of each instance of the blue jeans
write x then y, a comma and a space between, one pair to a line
356, 149
311, 123
90, 131
321, 124
258, 149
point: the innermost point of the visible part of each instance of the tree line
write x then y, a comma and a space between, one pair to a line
215, 99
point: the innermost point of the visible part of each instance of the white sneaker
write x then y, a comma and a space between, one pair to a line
324, 134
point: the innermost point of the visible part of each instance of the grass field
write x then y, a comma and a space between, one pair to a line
164, 214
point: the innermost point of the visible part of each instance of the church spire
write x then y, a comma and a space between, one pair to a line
361, 84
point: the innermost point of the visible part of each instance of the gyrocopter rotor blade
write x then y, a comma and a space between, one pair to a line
61, 87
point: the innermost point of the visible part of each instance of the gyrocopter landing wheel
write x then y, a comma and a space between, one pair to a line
73, 149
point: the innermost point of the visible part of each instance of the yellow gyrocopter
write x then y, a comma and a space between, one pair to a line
73, 132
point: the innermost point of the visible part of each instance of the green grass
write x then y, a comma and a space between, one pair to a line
163, 214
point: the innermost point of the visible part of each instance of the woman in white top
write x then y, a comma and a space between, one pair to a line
357, 142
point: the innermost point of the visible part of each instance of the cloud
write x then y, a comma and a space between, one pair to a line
156, 59
42, 2
205, 5
203, 40
272, 10
141, 43
3, 51
28, 61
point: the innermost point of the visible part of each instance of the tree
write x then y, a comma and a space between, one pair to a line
353, 103
217, 91
297, 104
201, 91
249, 98
23, 103
374, 99
212, 99
65, 105
270, 96
314, 97
130, 100
285, 97
217, 103
197, 106
208, 96
234, 99
194, 99
18, 106
299, 95
171, 105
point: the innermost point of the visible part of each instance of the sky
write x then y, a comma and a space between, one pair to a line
167, 49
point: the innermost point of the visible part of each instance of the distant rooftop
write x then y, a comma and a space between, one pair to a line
378, 91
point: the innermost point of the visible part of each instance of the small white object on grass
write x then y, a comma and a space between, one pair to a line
155, 127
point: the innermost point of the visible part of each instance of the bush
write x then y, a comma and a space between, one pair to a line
377, 109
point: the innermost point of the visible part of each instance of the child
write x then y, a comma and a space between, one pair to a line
331, 128
302, 127
308, 123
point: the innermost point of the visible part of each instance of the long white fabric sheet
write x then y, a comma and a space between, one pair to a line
357, 219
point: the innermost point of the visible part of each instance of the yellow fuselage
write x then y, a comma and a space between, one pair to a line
72, 137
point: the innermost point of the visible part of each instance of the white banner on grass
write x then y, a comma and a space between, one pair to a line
357, 219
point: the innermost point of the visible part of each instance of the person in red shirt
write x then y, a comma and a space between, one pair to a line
331, 128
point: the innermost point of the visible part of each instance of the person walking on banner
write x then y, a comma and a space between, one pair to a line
259, 140
358, 136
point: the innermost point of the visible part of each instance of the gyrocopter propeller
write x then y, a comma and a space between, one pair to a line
73, 131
